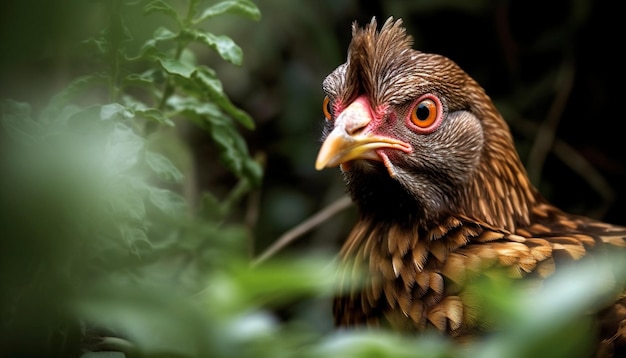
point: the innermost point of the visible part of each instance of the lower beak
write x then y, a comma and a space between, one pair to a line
340, 147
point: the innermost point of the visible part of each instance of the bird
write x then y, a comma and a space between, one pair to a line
441, 192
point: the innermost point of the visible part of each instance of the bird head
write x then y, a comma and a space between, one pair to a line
417, 137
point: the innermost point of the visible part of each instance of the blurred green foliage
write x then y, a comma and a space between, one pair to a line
132, 187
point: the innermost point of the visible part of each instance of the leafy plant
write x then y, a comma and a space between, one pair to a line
98, 218
109, 245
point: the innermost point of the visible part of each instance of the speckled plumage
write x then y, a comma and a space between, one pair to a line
456, 202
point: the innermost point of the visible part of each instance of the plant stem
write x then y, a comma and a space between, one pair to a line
114, 40
169, 85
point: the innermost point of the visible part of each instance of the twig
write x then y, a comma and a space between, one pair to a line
547, 130
580, 165
576, 162
321, 216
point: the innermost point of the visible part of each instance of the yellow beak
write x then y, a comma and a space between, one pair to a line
350, 139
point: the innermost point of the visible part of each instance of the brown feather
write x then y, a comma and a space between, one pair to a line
459, 203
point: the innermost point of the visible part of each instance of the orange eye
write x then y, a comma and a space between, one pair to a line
326, 107
425, 113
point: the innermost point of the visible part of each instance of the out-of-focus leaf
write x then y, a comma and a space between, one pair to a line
78, 86
121, 151
227, 140
168, 202
99, 43
190, 105
161, 7
154, 114
223, 45
533, 320
115, 111
176, 67
17, 122
162, 33
149, 49
135, 237
144, 80
159, 322
253, 171
244, 8
125, 201
384, 344
209, 81
163, 167
210, 207
269, 284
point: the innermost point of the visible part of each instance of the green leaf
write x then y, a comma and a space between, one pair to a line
210, 207
145, 80
78, 86
122, 150
244, 8
226, 140
99, 43
167, 201
207, 79
163, 167
136, 238
193, 105
163, 34
149, 48
223, 45
176, 67
154, 114
253, 171
126, 202
16, 121
162, 7
115, 111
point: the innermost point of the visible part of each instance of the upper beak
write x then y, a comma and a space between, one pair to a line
349, 140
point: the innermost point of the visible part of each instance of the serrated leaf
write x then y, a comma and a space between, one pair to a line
175, 67
163, 167
207, 79
244, 8
223, 45
154, 114
115, 111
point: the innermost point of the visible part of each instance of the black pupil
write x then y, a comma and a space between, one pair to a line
328, 107
422, 112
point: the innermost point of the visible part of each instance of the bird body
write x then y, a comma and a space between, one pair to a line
441, 191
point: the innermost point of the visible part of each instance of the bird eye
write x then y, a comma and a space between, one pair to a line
425, 114
326, 107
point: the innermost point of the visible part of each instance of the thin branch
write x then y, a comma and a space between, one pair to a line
315, 220
585, 169
576, 162
547, 130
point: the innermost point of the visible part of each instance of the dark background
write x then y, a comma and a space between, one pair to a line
546, 64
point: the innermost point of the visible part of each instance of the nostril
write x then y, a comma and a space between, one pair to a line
355, 127
356, 116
